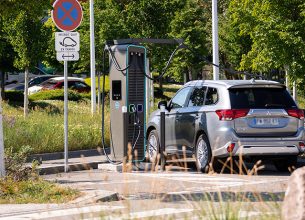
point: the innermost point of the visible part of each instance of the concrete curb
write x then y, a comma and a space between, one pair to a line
71, 154
54, 169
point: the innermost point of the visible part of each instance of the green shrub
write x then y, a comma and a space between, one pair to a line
56, 94
15, 159
14, 96
107, 86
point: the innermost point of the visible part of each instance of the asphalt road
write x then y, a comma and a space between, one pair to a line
175, 194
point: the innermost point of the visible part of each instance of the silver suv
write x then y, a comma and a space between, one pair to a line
254, 119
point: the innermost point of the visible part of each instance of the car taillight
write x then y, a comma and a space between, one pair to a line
231, 114
230, 147
297, 113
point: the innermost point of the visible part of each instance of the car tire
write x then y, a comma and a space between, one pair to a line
287, 164
153, 147
203, 153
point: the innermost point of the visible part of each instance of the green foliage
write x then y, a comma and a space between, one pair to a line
7, 55
14, 96
15, 159
190, 25
27, 33
34, 191
268, 34
58, 94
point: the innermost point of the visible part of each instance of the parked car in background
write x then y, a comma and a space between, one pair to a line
248, 118
32, 82
77, 84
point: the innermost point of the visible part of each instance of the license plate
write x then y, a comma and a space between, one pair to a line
267, 121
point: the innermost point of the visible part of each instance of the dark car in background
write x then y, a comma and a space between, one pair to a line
32, 82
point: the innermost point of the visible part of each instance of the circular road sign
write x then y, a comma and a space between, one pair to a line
67, 14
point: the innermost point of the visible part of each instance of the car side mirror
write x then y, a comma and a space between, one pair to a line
164, 103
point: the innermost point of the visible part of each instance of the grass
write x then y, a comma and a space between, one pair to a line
34, 191
43, 130
301, 102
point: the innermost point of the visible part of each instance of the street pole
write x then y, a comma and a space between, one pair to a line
92, 59
294, 91
2, 164
286, 78
66, 113
215, 40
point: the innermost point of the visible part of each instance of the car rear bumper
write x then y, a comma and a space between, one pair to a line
261, 146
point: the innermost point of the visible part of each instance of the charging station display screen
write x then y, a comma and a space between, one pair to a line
116, 90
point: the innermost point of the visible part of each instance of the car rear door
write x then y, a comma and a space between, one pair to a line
264, 112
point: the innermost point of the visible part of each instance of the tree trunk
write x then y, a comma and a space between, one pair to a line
2, 75
161, 83
26, 98
190, 73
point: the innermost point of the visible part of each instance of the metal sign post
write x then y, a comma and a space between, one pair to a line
66, 113
92, 60
67, 16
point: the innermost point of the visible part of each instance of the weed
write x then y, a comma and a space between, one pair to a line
34, 191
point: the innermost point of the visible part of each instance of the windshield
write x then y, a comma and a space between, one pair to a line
256, 98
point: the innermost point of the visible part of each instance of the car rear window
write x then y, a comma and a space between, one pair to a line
260, 98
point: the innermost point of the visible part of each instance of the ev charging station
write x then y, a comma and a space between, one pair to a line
131, 91
128, 94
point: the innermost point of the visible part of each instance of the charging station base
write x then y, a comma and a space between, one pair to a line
145, 167
142, 167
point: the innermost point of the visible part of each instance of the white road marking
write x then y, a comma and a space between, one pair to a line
105, 183
64, 212
215, 188
247, 214
145, 214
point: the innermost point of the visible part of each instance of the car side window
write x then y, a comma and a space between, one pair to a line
211, 96
179, 100
79, 85
197, 97
33, 82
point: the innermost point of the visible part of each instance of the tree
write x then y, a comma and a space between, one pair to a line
190, 25
152, 19
28, 36
7, 57
273, 33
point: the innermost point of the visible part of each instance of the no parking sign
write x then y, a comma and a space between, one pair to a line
67, 14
